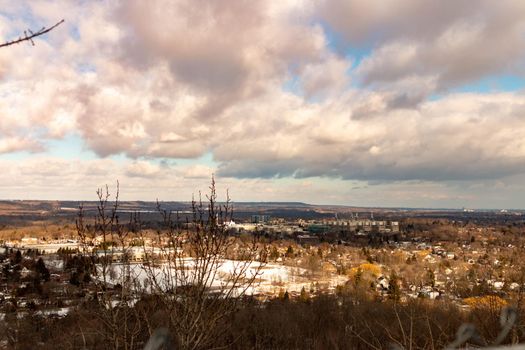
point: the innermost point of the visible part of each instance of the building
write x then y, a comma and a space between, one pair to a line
260, 219
307, 239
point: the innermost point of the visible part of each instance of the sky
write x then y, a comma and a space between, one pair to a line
393, 103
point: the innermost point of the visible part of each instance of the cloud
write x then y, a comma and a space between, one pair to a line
156, 80
15, 144
452, 42
372, 21
143, 169
261, 87
325, 78
196, 172
460, 137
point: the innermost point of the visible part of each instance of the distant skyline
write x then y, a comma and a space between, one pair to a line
401, 103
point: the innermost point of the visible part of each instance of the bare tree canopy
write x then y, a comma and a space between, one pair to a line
29, 37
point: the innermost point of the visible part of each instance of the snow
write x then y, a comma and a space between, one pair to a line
61, 312
269, 278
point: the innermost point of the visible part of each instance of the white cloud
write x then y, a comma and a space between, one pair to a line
143, 169
197, 172
15, 144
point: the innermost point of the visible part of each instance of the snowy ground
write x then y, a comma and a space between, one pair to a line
270, 279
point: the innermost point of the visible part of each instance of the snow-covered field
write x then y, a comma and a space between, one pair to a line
270, 279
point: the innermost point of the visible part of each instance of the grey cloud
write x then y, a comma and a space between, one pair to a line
461, 137
252, 168
405, 100
378, 21
221, 51
359, 169
455, 42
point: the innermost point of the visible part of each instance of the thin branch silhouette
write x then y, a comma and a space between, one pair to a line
29, 37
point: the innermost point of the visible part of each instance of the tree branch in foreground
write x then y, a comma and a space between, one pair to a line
31, 35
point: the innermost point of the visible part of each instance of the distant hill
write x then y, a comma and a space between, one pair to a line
11, 210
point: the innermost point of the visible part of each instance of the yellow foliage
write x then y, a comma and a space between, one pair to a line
329, 267
372, 268
367, 269
423, 253
486, 301
400, 255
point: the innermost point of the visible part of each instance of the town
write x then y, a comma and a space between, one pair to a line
432, 258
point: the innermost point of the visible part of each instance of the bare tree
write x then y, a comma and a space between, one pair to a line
189, 275
29, 35
198, 288
106, 246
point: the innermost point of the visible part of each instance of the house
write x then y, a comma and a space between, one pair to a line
28, 241
25, 272
307, 239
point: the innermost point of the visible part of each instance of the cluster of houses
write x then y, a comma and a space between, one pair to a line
446, 262
311, 232
135, 254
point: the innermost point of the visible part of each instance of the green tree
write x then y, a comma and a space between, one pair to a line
42, 270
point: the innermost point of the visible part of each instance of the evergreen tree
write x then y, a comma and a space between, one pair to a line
17, 258
42, 270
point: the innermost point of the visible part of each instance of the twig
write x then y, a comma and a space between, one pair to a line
31, 35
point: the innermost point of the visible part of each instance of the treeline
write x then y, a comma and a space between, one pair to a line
325, 322
25, 273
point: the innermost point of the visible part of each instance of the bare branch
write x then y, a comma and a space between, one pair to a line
31, 35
